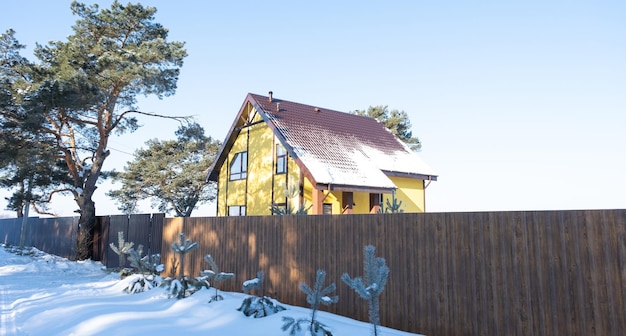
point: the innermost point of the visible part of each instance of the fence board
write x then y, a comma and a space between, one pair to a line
10, 230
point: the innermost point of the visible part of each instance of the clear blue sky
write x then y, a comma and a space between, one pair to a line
520, 105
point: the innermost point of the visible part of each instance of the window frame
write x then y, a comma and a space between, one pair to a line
241, 173
281, 160
327, 208
240, 210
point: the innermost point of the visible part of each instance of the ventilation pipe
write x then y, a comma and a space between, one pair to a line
270, 96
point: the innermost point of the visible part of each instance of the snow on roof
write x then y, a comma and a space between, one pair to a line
341, 148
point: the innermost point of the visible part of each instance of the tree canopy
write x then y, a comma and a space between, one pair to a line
84, 89
396, 121
27, 163
171, 173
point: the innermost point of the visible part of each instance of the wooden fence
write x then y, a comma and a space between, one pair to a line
483, 273
58, 235
52, 235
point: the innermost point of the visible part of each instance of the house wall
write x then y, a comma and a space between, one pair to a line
260, 169
232, 192
410, 192
261, 185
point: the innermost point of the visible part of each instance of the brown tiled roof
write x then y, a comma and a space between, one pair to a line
337, 149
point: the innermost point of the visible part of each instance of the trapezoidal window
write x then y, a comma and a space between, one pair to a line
281, 159
239, 166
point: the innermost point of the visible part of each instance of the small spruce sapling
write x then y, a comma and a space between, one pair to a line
122, 249
314, 296
290, 193
369, 288
395, 206
147, 270
255, 284
259, 305
183, 286
182, 247
145, 264
215, 275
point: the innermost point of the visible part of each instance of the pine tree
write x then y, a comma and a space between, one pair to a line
169, 173
254, 284
85, 89
146, 270
148, 264
314, 296
182, 247
397, 122
183, 286
318, 294
215, 275
122, 249
259, 305
369, 288
394, 206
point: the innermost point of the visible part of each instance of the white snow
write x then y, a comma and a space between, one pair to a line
49, 295
251, 282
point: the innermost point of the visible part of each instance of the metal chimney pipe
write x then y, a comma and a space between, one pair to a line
270, 96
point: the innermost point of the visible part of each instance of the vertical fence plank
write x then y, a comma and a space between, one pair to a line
156, 233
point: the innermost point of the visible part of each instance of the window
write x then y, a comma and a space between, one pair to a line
239, 166
327, 209
237, 210
281, 159
375, 203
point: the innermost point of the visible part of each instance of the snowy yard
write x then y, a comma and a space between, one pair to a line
48, 295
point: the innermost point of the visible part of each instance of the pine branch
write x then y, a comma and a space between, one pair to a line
122, 248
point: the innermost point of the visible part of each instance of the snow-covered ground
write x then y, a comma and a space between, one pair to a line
48, 295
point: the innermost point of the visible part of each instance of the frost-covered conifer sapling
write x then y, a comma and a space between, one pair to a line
146, 271
216, 276
180, 288
255, 284
182, 247
149, 264
259, 305
372, 284
122, 249
314, 296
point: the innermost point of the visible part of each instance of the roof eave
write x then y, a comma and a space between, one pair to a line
354, 188
418, 176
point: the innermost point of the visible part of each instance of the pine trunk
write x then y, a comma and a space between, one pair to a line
86, 225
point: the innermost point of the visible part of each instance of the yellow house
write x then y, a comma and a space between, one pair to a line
296, 156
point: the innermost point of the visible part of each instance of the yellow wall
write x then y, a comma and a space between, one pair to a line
232, 192
410, 192
261, 185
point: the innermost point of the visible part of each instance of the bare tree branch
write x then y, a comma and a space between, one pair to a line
180, 119
42, 212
